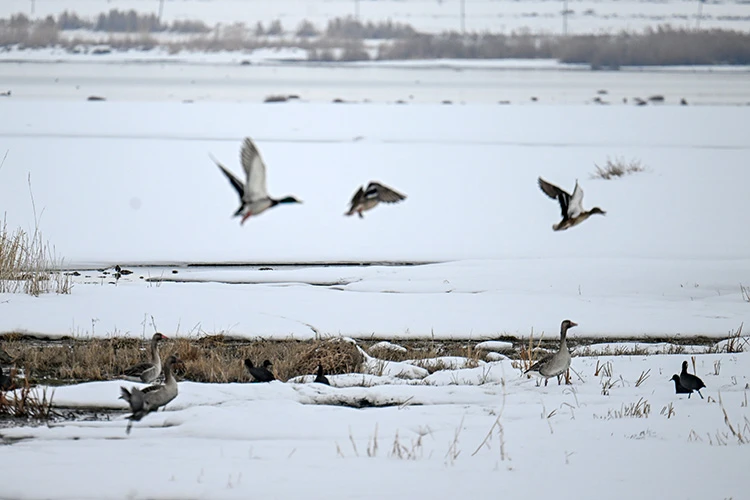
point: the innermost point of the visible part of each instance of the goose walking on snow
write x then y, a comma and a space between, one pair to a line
144, 401
571, 206
554, 365
320, 377
368, 198
254, 198
148, 371
260, 373
690, 382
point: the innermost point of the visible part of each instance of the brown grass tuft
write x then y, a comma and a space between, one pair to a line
336, 355
617, 168
27, 402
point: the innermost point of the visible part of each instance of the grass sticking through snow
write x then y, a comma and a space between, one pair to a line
27, 402
617, 168
28, 263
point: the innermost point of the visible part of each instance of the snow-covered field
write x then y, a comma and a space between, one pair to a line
586, 16
463, 432
131, 182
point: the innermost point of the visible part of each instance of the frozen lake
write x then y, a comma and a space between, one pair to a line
151, 77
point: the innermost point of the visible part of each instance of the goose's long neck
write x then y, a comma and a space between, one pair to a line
563, 340
168, 376
155, 359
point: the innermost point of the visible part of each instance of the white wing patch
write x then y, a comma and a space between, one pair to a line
255, 170
575, 205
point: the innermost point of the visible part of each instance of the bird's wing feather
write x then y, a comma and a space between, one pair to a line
255, 170
555, 192
136, 370
383, 193
543, 361
357, 198
151, 388
233, 180
575, 204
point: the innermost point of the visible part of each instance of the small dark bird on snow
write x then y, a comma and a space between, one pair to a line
121, 271
690, 382
571, 206
260, 373
678, 389
254, 198
320, 378
368, 198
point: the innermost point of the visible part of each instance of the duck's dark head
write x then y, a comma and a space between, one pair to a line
159, 336
684, 367
289, 199
675, 377
597, 210
267, 364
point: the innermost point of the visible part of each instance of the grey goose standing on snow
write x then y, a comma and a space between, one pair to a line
554, 365
144, 401
148, 371
571, 206
254, 198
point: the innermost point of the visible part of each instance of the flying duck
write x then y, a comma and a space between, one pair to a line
678, 389
320, 377
554, 365
144, 401
147, 371
260, 373
690, 382
368, 198
572, 206
254, 198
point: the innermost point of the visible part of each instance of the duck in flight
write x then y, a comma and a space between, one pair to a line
572, 206
254, 198
368, 198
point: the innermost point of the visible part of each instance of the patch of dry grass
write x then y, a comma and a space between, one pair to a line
27, 402
617, 168
208, 359
28, 264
